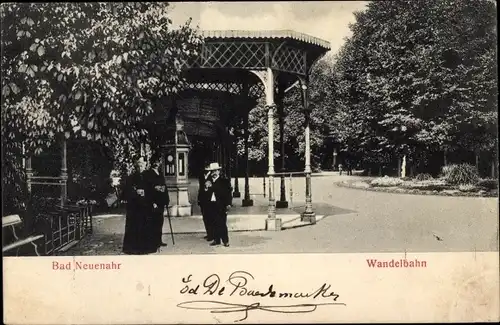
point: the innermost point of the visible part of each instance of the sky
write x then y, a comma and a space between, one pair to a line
328, 20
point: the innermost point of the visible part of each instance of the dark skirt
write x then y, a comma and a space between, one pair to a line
136, 240
155, 229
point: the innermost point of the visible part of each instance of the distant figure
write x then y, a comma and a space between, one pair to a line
158, 200
134, 193
217, 202
340, 169
348, 167
202, 192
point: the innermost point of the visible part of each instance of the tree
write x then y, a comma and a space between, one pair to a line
86, 70
294, 122
354, 123
258, 133
420, 77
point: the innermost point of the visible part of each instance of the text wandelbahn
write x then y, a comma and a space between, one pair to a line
393, 263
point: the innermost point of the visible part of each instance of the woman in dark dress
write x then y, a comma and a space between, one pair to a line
134, 193
158, 200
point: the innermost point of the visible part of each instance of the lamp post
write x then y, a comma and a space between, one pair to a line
308, 215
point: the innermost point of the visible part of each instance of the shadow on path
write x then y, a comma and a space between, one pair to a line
108, 230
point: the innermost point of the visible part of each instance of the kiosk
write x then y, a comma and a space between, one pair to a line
175, 162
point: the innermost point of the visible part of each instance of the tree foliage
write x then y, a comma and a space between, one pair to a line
294, 119
86, 71
415, 78
418, 76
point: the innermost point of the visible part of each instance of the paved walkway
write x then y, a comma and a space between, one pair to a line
353, 221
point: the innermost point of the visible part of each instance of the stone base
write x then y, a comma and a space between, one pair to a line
247, 203
179, 200
281, 204
308, 217
179, 211
236, 194
273, 224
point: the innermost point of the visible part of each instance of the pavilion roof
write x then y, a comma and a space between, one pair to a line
266, 34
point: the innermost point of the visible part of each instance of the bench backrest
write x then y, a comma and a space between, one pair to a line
11, 220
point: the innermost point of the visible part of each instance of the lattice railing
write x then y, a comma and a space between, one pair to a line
290, 59
251, 55
223, 87
255, 91
233, 55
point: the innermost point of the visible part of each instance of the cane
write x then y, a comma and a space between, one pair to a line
170, 223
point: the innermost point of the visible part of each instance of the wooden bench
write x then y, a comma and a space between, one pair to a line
13, 221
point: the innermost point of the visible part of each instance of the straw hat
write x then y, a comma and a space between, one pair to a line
213, 166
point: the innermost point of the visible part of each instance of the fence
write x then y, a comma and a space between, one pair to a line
289, 186
65, 226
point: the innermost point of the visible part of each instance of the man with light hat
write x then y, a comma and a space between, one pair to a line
217, 202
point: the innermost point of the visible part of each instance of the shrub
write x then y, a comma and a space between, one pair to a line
461, 174
488, 183
90, 166
467, 188
445, 170
42, 204
429, 185
386, 182
424, 177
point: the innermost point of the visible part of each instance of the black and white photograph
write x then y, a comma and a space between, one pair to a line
217, 128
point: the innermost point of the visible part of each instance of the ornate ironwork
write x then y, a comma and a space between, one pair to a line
290, 59
286, 51
230, 54
251, 55
233, 88
255, 90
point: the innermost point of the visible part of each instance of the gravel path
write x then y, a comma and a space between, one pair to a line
360, 221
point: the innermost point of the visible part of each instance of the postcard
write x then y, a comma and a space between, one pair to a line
250, 162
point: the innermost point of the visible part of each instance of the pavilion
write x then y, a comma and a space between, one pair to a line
243, 65
233, 70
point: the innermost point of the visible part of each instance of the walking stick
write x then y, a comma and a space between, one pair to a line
170, 223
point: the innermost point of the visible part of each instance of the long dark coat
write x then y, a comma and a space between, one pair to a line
217, 210
135, 238
222, 190
155, 185
202, 193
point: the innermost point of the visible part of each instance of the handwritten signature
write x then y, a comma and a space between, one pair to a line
238, 285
